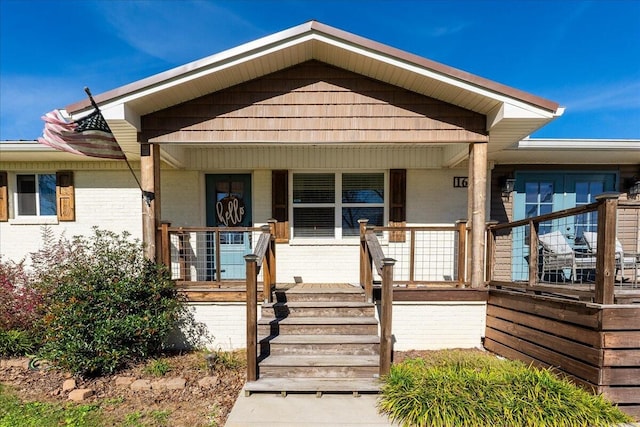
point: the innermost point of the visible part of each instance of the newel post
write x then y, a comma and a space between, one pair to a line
166, 249
491, 250
366, 275
461, 225
386, 311
534, 252
605, 255
252, 316
267, 273
272, 254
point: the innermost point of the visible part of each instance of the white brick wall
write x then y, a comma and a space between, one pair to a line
438, 325
108, 199
182, 198
225, 322
318, 264
416, 325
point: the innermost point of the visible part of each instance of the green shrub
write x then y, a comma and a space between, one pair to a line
17, 343
455, 388
105, 304
157, 367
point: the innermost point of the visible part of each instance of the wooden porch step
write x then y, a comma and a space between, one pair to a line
318, 308
318, 326
321, 344
320, 366
313, 385
301, 293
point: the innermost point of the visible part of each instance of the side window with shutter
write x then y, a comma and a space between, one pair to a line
65, 196
280, 204
397, 203
4, 197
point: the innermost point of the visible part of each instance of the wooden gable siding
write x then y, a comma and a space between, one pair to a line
313, 102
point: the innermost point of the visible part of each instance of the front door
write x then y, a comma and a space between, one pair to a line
228, 198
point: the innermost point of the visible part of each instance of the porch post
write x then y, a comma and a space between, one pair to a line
478, 189
150, 181
605, 255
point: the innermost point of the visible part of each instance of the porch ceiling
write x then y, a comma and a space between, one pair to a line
511, 114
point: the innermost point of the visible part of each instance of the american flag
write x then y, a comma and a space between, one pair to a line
89, 135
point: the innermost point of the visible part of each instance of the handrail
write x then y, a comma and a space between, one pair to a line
263, 257
372, 253
547, 217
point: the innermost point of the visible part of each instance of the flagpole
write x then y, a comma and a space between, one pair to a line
146, 195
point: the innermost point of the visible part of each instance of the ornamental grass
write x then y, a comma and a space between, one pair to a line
461, 388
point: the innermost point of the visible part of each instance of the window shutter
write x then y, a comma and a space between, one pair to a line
280, 204
4, 197
397, 203
65, 196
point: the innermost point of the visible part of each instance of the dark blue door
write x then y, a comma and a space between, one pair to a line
229, 205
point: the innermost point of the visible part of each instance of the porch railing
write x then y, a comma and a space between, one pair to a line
425, 255
591, 252
371, 255
207, 256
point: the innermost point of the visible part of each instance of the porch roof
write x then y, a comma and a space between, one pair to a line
511, 114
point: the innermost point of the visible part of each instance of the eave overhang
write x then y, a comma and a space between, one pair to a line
511, 114
570, 151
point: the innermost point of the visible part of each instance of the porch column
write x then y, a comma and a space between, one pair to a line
478, 197
150, 181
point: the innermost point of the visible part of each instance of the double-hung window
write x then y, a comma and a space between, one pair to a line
35, 195
328, 205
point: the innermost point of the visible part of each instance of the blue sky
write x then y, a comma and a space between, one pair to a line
584, 55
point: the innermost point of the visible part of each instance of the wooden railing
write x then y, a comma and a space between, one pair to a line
194, 254
371, 254
264, 257
425, 255
519, 258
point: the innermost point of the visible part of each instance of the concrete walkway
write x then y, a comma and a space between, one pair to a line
273, 410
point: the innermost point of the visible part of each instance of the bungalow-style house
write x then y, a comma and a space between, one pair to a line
317, 128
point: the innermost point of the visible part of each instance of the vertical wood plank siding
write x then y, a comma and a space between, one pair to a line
313, 102
598, 346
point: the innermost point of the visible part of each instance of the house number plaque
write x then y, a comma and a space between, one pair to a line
460, 181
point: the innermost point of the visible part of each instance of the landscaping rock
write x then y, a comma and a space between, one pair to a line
80, 394
159, 385
141, 385
69, 385
176, 384
21, 362
210, 381
124, 381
